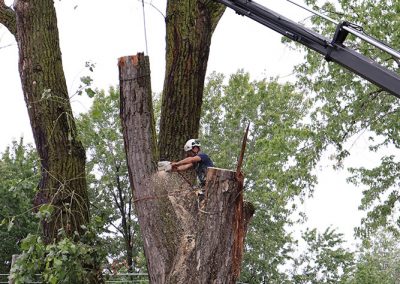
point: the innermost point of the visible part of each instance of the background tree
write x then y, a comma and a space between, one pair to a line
109, 192
62, 197
62, 156
378, 260
347, 106
324, 259
19, 171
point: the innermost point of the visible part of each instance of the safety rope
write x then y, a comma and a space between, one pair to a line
144, 27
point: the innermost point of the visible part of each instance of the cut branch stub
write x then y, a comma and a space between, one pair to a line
224, 224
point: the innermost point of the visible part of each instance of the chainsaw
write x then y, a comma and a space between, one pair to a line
164, 166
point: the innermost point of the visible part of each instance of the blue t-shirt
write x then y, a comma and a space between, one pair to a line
202, 166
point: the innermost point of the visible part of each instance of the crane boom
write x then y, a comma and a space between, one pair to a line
333, 50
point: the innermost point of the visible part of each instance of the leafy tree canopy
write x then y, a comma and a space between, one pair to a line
324, 259
378, 260
19, 178
347, 106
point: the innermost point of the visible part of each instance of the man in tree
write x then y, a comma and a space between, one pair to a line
195, 159
170, 225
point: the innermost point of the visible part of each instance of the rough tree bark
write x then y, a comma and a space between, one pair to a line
63, 184
184, 243
189, 27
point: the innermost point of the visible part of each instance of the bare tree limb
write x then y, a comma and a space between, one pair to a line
8, 18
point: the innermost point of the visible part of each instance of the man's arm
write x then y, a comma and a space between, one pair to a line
181, 168
185, 164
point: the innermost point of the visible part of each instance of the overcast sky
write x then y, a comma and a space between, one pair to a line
102, 31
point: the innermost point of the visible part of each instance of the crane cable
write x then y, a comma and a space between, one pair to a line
144, 27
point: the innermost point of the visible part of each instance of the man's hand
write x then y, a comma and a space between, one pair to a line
174, 167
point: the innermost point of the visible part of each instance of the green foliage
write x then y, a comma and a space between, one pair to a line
86, 82
347, 106
378, 261
30, 263
64, 261
380, 196
109, 190
323, 260
282, 151
19, 179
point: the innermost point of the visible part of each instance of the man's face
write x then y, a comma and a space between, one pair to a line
192, 152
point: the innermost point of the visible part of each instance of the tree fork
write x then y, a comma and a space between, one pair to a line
184, 243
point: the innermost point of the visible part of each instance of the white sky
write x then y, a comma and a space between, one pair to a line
102, 31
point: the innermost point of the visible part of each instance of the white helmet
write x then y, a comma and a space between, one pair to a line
190, 144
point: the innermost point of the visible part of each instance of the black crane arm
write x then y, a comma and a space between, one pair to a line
333, 50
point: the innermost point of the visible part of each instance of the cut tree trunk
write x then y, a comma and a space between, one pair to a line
184, 241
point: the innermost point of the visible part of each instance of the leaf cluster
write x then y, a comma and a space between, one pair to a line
64, 261
324, 259
378, 260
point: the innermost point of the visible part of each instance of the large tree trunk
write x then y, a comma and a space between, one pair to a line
189, 27
184, 243
63, 184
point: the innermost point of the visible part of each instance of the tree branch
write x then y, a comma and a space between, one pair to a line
216, 10
8, 18
118, 229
